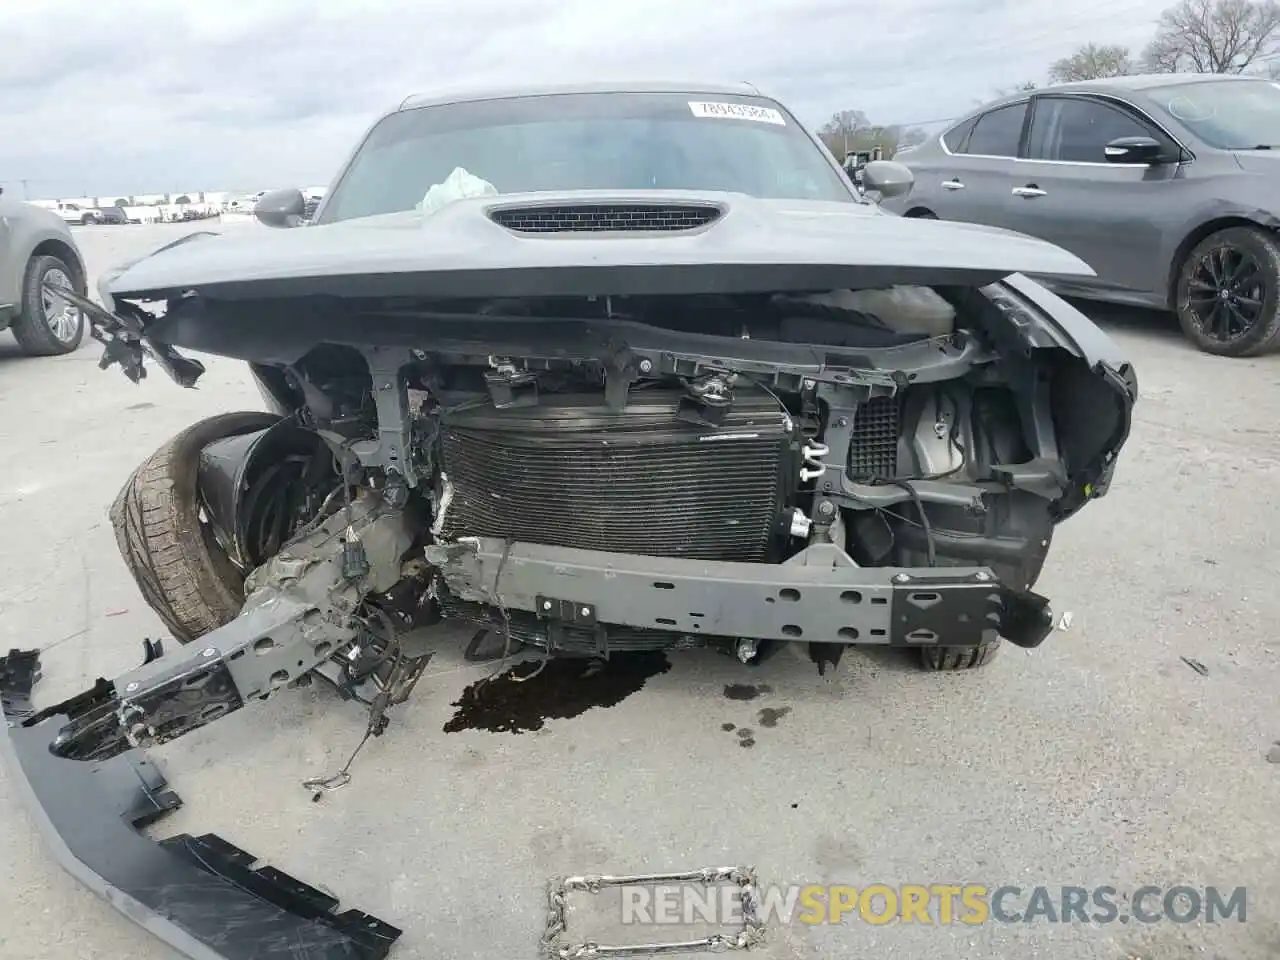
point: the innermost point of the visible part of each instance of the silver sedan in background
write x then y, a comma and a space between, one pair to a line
1167, 185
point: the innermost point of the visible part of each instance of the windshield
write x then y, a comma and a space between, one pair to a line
605, 141
1228, 114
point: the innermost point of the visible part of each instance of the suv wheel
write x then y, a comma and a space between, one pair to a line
1228, 293
48, 326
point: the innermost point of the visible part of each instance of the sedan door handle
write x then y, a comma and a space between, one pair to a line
952, 185
1030, 190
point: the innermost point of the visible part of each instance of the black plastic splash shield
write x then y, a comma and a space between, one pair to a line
201, 895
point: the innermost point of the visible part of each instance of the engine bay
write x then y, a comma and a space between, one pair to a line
586, 478
909, 438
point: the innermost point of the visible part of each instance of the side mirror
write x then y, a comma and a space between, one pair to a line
886, 178
1144, 150
281, 208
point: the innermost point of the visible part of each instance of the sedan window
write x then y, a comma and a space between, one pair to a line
1075, 130
1229, 114
955, 138
997, 133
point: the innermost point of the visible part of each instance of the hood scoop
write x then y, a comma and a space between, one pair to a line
606, 217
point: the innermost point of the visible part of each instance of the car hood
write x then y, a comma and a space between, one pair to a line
1266, 162
460, 251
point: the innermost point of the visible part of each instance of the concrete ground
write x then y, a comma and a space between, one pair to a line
1101, 758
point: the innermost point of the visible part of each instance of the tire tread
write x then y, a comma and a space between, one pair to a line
155, 517
958, 658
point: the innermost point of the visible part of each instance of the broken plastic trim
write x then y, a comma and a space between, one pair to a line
125, 341
201, 895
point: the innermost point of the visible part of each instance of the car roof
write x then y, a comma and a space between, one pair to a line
1138, 83
1135, 83
1151, 81
1148, 81
468, 94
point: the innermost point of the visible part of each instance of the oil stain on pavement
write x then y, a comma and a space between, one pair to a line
524, 697
769, 716
746, 691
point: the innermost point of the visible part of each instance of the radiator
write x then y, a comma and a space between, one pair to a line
570, 472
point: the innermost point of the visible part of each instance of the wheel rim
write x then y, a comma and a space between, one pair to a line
62, 317
1226, 293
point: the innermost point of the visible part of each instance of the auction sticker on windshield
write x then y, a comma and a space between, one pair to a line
737, 111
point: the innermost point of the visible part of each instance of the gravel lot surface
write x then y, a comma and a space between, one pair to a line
1100, 759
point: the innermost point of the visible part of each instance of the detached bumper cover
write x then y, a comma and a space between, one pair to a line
198, 894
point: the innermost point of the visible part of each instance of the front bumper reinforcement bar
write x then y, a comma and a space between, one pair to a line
201, 895
818, 595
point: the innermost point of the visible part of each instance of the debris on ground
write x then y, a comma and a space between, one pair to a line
1197, 666
1273, 755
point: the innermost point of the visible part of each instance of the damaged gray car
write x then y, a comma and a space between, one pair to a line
598, 370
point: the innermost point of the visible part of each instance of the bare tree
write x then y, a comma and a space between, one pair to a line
1213, 36
912, 137
1091, 61
1025, 87
841, 131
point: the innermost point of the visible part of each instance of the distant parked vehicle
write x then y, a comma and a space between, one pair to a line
74, 213
1168, 186
311, 206
855, 160
114, 215
37, 248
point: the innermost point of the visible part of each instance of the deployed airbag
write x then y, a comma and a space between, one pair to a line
459, 185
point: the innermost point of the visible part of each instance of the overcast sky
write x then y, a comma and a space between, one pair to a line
136, 96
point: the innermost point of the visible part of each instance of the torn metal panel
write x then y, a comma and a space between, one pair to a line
298, 612
197, 894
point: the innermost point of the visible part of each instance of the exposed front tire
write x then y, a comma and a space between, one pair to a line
184, 576
958, 658
47, 326
1228, 293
